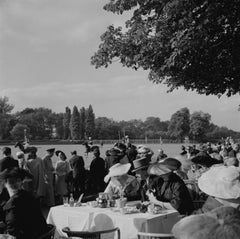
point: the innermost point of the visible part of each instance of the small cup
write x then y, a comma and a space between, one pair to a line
120, 203
65, 201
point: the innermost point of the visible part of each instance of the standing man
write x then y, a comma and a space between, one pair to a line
49, 171
97, 173
77, 176
7, 161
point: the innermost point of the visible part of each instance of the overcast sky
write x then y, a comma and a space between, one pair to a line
45, 50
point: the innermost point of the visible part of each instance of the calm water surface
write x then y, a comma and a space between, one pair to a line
170, 149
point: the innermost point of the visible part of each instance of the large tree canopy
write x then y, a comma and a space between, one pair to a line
190, 44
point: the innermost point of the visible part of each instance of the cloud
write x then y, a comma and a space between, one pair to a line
42, 22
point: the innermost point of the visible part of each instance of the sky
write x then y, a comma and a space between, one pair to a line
45, 51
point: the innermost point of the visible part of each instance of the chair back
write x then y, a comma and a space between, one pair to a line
50, 233
90, 235
148, 235
198, 197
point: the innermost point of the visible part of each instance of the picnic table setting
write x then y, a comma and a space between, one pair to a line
104, 213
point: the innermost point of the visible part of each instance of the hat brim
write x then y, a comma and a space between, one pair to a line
139, 168
117, 170
59, 151
216, 182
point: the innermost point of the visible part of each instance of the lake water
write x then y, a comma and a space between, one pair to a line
170, 149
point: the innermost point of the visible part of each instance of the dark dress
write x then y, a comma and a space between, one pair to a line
170, 188
8, 162
76, 178
97, 173
23, 216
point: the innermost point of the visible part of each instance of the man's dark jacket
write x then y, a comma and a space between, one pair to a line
8, 162
23, 216
171, 188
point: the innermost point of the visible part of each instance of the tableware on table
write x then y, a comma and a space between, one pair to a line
65, 201
92, 203
154, 209
102, 200
120, 203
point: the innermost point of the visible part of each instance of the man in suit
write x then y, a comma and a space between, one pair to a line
76, 178
23, 216
7, 161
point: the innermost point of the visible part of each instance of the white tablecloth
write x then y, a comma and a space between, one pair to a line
86, 218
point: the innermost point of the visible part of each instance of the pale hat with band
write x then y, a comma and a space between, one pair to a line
221, 182
117, 170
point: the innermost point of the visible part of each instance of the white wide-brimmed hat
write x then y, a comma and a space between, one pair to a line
221, 182
117, 170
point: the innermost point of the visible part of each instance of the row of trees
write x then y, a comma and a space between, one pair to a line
79, 124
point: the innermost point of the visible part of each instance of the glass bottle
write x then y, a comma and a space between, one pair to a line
71, 200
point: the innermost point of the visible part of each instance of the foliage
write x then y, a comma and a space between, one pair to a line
75, 124
190, 44
39, 121
179, 124
82, 122
90, 122
18, 131
66, 123
5, 117
199, 125
5, 107
58, 123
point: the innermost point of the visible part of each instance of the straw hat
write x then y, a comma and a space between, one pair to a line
158, 169
117, 170
221, 182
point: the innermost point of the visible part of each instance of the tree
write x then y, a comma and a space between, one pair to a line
17, 132
90, 122
58, 121
199, 125
179, 124
75, 124
82, 122
190, 44
66, 123
40, 122
5, 117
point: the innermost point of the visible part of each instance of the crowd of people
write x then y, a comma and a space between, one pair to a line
126, 171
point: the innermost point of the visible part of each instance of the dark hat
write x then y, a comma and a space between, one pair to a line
17, 173
95, 149
6, 150
120, 146
59, 151
205, 159
115, 152
140, 163
51, 150
171, 163
73, 152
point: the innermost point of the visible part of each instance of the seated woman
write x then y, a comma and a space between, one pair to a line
167, 189
121, 183
23, 216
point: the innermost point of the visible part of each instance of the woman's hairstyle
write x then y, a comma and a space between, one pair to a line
221, 223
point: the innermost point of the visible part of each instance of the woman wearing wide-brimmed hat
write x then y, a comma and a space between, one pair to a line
121, 183
222, 184
167, 189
